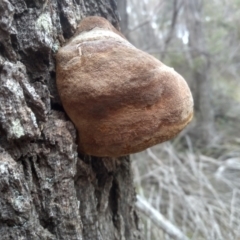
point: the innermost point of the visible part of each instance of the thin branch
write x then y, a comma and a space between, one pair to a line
169, 37
156, 10
159, 220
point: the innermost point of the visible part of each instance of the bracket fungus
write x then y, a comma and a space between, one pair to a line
121, 99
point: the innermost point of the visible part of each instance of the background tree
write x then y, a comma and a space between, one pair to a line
200, 60
47, 190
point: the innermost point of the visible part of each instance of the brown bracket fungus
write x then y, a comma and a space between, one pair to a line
121, 99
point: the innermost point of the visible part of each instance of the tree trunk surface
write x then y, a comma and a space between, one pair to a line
47, 190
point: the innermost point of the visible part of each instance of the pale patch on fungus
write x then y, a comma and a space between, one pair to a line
96, 34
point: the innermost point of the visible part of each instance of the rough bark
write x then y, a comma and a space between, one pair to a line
47, 190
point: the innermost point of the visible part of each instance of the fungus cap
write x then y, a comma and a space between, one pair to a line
121, 99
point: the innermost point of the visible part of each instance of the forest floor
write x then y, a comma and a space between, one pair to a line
198, 190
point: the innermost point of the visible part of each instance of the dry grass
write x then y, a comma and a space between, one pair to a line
197, 193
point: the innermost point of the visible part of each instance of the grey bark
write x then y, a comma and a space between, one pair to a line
48, 191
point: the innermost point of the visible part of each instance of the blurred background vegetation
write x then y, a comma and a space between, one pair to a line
193, 180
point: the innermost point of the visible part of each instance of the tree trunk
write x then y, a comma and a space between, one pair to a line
122, 9
47, 190
202, 91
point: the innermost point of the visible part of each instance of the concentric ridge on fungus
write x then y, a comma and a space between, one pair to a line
121, 99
